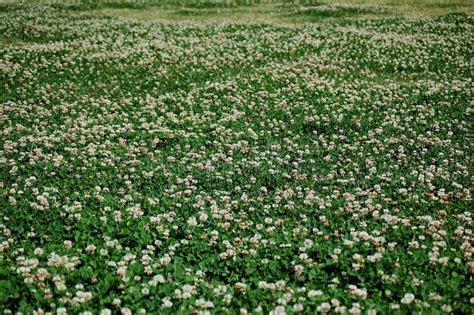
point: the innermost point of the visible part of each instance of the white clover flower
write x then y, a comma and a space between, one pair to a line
408, 298
355, 309
90, 248
314, 293
166, 302
192, 222
203, 217
324, 307
279, 310
299, 269
447, 308
298, 308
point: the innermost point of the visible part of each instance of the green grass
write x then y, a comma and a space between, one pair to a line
182, 157
266, 11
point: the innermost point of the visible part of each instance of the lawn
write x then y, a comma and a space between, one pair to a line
236, 157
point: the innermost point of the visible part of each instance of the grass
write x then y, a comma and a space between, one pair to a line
236, 157
283, 11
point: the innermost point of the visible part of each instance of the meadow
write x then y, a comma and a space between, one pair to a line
236, 157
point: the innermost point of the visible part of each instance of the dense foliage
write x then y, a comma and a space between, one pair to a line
242, 168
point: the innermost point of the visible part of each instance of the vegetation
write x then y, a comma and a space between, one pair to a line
236, 157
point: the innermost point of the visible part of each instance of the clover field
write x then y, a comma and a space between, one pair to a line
317, 161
